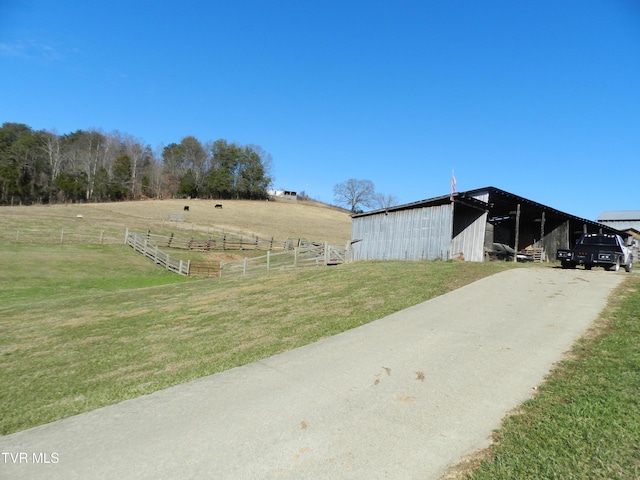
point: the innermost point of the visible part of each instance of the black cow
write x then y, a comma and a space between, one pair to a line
186, 208
218, 205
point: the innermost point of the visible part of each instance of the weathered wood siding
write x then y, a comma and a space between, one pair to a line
414, 234
469, 226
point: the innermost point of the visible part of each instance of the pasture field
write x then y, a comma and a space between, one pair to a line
279, 219
87, 326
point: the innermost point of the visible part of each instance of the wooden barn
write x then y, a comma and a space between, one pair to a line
465, 225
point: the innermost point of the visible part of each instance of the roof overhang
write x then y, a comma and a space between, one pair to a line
456, 198
501, 204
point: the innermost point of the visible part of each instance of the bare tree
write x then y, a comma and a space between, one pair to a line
85, 151
354, 193
140, 155
155, 172
52, 149
385, 201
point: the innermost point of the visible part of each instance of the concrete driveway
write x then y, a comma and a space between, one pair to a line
403, 397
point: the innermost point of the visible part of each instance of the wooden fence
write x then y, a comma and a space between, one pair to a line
62, 235
142, 244
311, 254
222, 242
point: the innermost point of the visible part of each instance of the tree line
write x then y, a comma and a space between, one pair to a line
92, 166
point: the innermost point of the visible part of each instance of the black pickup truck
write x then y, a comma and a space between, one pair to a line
598, 250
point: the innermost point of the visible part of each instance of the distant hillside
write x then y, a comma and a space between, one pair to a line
279, 219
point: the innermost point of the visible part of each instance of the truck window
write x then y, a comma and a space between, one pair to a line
600, 241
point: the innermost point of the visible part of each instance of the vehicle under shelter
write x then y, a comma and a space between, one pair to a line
466, 225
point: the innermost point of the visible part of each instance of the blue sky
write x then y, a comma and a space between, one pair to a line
541, 99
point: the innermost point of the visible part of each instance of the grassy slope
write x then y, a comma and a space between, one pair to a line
281, 220
87, 326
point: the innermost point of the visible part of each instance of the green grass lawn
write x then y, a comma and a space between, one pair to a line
87, 326
585, 421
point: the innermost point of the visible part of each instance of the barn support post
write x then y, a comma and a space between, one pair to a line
515, 247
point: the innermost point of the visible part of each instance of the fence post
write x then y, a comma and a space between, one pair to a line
268, 259
180, 269
295, 257
188, 267
244, 269
61, 235
326, 252
101, 236
221, 268
155, 255
126, 236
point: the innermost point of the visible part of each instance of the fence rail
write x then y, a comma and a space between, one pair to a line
143, 245
221, 242
280, 254
62, 235
311, 254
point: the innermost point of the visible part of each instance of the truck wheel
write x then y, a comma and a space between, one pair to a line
587, 267
628, 267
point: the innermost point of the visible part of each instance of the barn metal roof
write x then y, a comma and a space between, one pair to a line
429, 202
619, 215
501, 203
